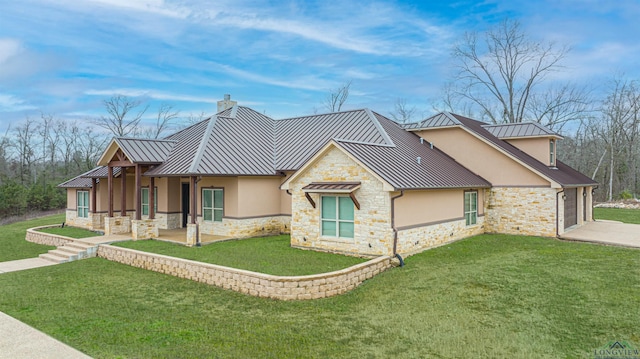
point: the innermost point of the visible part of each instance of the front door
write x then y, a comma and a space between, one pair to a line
185, 204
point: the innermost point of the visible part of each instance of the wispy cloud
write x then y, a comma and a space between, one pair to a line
11, 103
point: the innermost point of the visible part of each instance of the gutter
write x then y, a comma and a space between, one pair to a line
557, 216
393, 226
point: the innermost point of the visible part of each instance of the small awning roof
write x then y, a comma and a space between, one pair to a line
331, 187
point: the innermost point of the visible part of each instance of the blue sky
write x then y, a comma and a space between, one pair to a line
279, 57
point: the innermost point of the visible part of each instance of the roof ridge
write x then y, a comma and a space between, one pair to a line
320, 114
381, 130
205, 137
145, 139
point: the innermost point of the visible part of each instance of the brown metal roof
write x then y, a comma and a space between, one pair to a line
518, 130
562, 174
84, 180
443, 119
399, 166
145, 151
336, 187
298, 139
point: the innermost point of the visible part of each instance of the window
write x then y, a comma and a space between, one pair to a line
212, 204
470, 208
552, 153
145, 200
337, 216
83, 204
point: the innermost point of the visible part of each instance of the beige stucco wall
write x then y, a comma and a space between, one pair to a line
481, 158
372, 222
522, 210
428, 206
537, 147
259, 196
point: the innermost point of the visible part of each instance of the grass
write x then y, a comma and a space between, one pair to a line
12, 243
72, 232
271, 255
490, 296
618, 214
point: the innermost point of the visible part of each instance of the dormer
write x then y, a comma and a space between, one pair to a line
530, 137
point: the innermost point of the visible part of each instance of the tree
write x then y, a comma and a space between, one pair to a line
121, 121
501, 74
337, 97
166, 115
402, 113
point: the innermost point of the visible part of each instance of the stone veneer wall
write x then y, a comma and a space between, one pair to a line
373, 233
33, 235
247, 227
252, 283
167, 220
71, 218
521, 210
416, 240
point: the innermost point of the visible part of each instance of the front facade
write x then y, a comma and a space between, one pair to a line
352, 182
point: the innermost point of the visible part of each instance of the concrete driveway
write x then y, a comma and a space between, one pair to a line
606, 232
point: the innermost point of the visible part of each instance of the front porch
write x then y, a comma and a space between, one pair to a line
179, 235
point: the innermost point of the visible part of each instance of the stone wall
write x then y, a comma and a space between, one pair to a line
372, 222
251, 283
418, 239
247, 227
168, 220
521, 210
144, 229
33, 235
117, 225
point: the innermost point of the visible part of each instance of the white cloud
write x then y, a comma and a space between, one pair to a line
158, 95
10, 103
8, 49
158, 7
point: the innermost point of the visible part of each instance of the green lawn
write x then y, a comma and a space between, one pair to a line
490, 296
12, 243
72, 232
271, 255
618, 214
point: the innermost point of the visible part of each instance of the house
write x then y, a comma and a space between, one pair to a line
352, 182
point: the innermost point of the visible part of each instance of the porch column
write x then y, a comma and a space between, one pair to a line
152, 198
194, 199
110, 190
123, 191
94, 190
138, 197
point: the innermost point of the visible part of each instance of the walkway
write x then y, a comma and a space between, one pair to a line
18, 340
606, 232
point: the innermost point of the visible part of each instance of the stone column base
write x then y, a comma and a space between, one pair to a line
117, 225
192, 234
144, 229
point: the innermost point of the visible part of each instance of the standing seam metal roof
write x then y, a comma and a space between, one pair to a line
523, 129
145, 150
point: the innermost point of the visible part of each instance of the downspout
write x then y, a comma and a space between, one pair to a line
557, 216
393, 226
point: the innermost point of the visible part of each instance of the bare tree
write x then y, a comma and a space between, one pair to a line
403, 113
166, 115
501, 73
555, 107
337, 97
121, 121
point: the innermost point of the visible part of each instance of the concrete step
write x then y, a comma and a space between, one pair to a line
61, 253
71, 250
53, 258
80, 245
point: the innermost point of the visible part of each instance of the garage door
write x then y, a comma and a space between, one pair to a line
570, 207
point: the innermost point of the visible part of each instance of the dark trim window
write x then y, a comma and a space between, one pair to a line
337, 216
82, 201
471, 208
552, 153
144, 193
212, 204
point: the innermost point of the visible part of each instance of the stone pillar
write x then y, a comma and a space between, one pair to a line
144, 229
117, 225
192, 234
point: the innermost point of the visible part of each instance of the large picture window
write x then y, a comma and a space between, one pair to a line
471, 208
145, 200
337, 216
212, 204
83, 204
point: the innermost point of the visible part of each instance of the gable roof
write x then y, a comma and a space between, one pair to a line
138, 150
562, 174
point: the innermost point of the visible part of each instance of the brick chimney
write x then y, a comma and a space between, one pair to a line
226, 103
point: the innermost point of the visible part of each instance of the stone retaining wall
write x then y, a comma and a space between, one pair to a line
252, 283
33, 235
